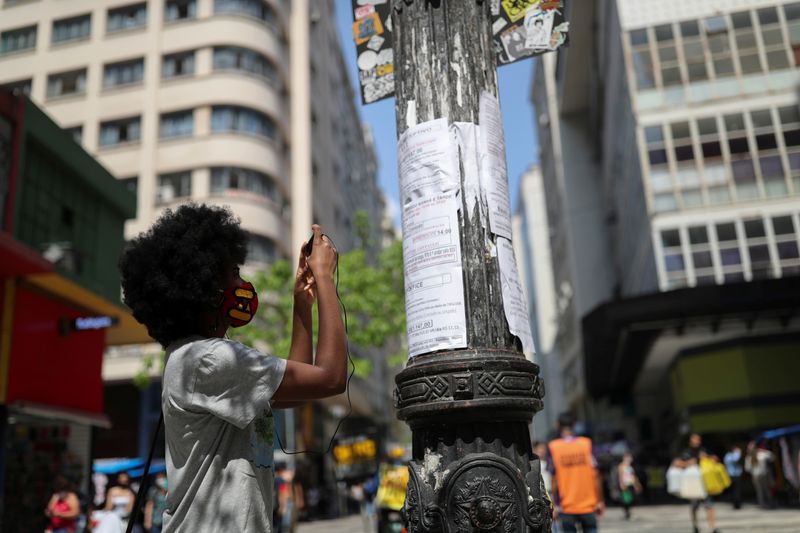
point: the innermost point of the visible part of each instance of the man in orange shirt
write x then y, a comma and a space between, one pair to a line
577, 492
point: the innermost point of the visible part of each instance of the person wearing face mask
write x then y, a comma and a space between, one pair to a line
120, 497
156, 504
181, 280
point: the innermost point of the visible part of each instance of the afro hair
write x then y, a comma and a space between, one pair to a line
174, 270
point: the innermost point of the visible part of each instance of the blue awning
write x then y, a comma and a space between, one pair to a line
115, 466
781, 432
155, 467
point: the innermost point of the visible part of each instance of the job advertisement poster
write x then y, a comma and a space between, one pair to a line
494, 173
514, 304
435, 310
426, 160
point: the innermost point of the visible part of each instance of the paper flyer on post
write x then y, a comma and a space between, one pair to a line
494, 174
514, 304
427, 161
435, 309
466, 137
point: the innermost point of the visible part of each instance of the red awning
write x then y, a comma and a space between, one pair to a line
20, 259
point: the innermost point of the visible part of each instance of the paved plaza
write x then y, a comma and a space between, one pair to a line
654, 519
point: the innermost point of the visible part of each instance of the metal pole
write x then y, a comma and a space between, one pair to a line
472, 467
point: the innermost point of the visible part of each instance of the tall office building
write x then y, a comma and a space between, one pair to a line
245, 103
670, 149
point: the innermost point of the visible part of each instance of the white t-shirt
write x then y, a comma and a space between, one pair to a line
218, 426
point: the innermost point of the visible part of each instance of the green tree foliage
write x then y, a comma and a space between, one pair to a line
372, 294
371, 291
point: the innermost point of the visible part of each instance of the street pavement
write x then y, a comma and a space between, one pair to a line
651, 519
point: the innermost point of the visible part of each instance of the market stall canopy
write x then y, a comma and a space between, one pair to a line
60, 414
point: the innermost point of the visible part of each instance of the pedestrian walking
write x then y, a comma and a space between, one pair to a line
181, 280
577, 490
63, 508
120, 498
156, 504
759, 465
733, 464
540, 449
691, 457
629, 484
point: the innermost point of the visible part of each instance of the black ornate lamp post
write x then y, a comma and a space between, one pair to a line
469, 409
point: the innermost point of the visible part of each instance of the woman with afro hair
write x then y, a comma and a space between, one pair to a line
181, 280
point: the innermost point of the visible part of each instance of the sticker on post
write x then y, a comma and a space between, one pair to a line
426, 161
494, 174
435, 309
514, 304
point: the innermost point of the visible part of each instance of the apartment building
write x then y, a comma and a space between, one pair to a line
668, 135
244, 103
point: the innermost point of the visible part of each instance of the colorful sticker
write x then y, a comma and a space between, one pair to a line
367, 27
515, 9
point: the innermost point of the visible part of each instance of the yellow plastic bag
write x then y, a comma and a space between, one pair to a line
715, 476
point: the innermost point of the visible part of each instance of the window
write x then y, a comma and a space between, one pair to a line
693, 51
674, 263
668, 55
253, 8
261, 249
121, 131
174, 185
716, 32
76, 132
242, 120
714, 166
236, 58
729, 254
225, 179
123, 73
18, 40
72, 29
127, 17
744, 174
758, 248
642, 59
786, 244
180, 64
18, 87
66, 83
180, 10
745, 37
660, 175
178, 124
702, 259
769, 158
792, 13
773, 39
790, 125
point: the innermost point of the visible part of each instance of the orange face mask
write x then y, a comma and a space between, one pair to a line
240, 304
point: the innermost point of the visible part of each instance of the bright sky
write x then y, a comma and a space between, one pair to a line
518, 119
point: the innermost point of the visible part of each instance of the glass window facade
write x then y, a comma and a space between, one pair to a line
123, 73
66, 83
728, 251
120, 131
225, 179
177, 124
174, 185
252, 8
718, 159
18, 40
238, 58
127, 17
241, 120
717, 47
180, 10
180, 64
72, 29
